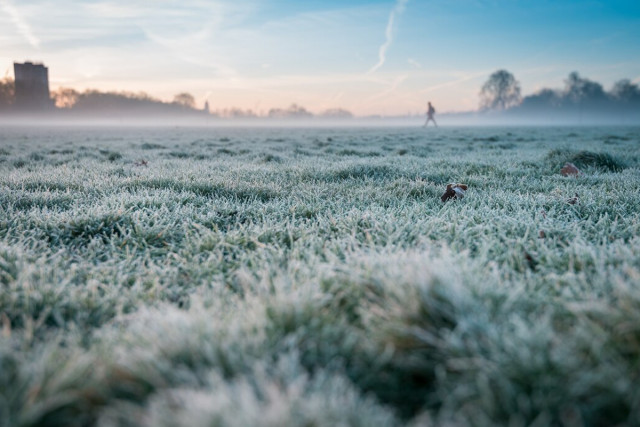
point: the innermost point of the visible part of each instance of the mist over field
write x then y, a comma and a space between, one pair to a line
581, 102
512, 119
313, 276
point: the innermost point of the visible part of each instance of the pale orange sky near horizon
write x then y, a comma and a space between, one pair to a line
370, 57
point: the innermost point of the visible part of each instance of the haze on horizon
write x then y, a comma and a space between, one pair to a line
370, 57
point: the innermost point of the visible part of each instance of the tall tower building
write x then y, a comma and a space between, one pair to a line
32, 86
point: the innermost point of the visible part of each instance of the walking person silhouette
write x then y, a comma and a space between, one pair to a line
430, 112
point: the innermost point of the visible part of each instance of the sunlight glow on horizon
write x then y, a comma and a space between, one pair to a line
370, 57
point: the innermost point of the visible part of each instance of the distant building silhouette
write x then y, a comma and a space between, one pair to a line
32, 86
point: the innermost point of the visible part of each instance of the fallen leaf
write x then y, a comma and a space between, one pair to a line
569, 169
454, 191
531, 262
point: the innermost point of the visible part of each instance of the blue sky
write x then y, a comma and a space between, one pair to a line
371, 57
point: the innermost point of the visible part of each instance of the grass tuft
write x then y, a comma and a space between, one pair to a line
585, 159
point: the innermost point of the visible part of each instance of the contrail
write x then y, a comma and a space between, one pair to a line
20, 23
455, 82
394, 85
382, 52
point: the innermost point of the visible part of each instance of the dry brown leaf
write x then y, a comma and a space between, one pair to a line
569, 169
531, 262
454, 191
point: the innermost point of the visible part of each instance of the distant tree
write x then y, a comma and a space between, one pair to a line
95, 101
500, 92
295, 111
626, 91
7, 92
65, 97
542, 100
236, 113
584, 99
336, 113
276, 113
185, 100
92, 101
578, 89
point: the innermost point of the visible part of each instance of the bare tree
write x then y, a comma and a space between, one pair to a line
500, 92
65, 97
185, 99
7, 92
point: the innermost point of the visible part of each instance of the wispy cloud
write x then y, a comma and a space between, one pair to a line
414, 63
194, 48
393, 86
21, 24
382, 51
464, 77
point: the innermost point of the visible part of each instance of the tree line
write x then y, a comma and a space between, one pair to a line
93, 102
96, 102
502, 92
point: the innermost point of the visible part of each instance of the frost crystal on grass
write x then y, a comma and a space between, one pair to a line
311, 277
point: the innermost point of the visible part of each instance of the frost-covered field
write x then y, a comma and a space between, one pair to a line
313, 277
